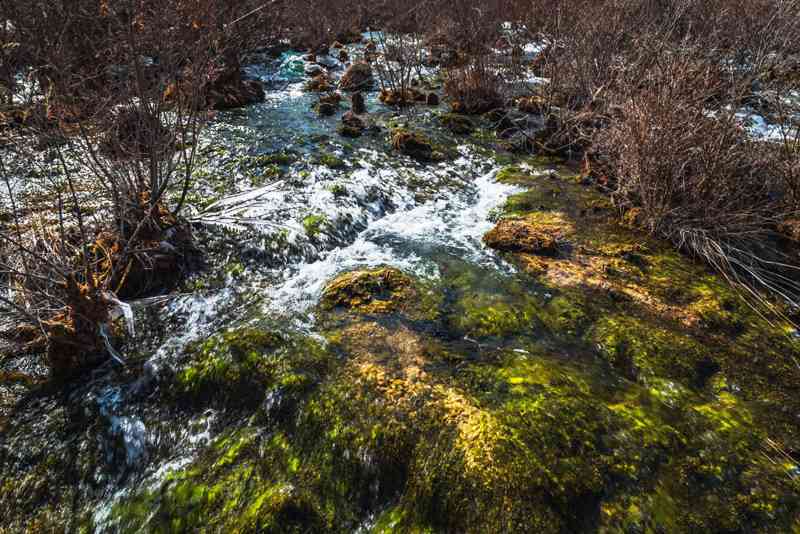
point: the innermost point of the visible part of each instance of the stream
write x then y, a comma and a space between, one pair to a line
470, 395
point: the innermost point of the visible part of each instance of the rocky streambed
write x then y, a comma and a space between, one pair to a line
381, 344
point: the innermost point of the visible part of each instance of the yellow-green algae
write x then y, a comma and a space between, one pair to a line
622, 388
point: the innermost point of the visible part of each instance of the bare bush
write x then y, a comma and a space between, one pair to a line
124, 91
697, 179
474, 87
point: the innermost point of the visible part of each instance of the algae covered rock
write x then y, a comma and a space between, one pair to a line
458, 124
412, 144
513, 235
374, 291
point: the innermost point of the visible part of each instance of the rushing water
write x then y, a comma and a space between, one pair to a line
283, 205
395, 212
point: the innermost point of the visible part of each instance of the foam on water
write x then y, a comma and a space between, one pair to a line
453, 225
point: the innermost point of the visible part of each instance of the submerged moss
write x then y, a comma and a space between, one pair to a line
245, 364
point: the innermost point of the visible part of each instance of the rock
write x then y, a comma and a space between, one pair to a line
349, 131
331, 98
412, 144
374, 291
352, 125
343, 56
371, 46
325, 109
516, 235
314, 70
319, 83
358, 76
353, 120
357, 103
432, 99
458, 124
337, 45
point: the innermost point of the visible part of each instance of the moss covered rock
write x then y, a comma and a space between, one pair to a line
458, 124
512, 235
376, 291
412, 144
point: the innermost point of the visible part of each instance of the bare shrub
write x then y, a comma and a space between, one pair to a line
474, 87
124, 96
698, 180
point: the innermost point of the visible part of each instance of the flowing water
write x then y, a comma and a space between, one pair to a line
283, 206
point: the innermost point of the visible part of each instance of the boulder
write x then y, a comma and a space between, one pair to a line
373, 291
517, 235
412, 144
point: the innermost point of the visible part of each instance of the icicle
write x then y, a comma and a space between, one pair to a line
121, 309
111, 350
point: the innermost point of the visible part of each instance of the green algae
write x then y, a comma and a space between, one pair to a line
314, 224
590, 397
639, 350
245, 364
331, 161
